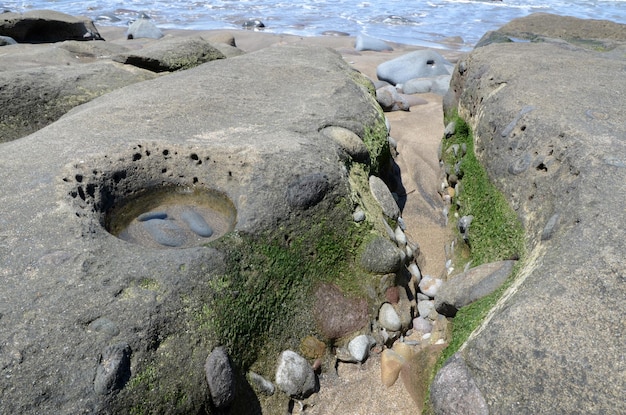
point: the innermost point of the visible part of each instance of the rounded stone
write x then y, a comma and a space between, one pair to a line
358, 215
196, 223
348, 141
359, 347
383, 196
294, 375
143, 28
220, 377
165, 232
422, 325
388, 318
261, 384
424, 308
430, 285
381, 256
307, 191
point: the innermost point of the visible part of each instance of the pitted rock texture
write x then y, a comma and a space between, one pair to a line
70, 288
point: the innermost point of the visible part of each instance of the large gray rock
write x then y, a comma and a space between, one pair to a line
172, 54
472, 285
44, 26
542, 352
32, 98
221, 377
70, 287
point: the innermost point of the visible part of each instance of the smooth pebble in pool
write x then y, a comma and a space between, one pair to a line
196, 223
165, 232
152, 215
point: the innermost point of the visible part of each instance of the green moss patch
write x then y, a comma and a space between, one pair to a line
263, 303
495, 233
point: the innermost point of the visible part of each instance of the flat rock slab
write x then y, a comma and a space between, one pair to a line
247, 127
543, 351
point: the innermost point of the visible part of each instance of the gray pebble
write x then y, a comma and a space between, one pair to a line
165, 232
143, 28
113, 369
358, 215
220, 377
307, 191
196, 223
294, 375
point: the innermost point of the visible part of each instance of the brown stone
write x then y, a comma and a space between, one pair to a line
390, 365
312, 347
337, 315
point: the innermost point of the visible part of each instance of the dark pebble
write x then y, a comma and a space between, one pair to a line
196, 223
151, 215
113, 369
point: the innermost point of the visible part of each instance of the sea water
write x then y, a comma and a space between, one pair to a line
415, 22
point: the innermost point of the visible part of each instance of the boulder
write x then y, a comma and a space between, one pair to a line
472, 285
381, 256
418, 64
46, 26
541, 352
143, 27
72, 285
172, 54
32, 98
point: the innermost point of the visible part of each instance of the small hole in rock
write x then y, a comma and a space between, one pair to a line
148, 153
195, 180
430, 62
523, 128
166, 152
230, 174
79, 178
118, 176
542, 167
194, 156
91, 189
136, 156
81, 193
65, 179
163, 170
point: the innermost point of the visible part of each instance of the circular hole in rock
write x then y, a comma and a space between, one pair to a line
172, 217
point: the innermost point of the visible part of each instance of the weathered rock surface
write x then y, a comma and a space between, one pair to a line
32, 98
525, 358
44, 26
172, 54
70, 288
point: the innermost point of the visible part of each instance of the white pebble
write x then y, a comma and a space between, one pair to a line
415, 271
389, 318
430, 285
400, 236
359, 347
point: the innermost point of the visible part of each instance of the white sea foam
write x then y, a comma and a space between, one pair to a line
420, 23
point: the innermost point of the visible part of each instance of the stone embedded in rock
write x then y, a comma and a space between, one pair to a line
308, 190
152, 215
454, 391
436, 85
349, 142
220, 377
476, 283
383, 196
422, 325
381, 256
113, 369
337, 315
388, 318
418, 64
294, 375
